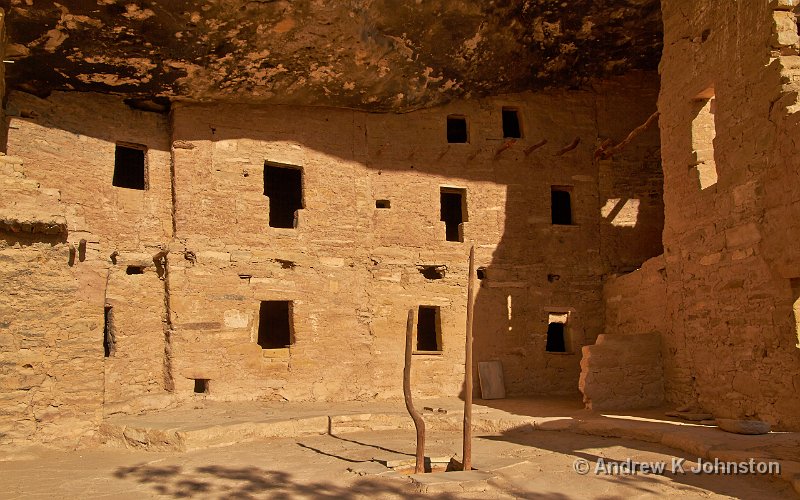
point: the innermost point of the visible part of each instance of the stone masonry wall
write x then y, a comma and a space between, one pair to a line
635, 301
352, 269
625, 370
68, 143
51, 355
204, 257
731, 202
631, 182
622, 372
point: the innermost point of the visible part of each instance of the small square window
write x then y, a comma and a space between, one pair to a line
457, 129
129, 167
283, 185
561, 205
511, 125
429, 330
275, 324
557, 339
201, 386
453, 212
433, 272
383, 204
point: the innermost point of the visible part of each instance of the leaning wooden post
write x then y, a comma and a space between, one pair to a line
415, 416
467, 451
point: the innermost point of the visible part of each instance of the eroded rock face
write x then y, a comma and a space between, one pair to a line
378, 55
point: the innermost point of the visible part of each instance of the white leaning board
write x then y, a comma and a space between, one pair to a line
490, 374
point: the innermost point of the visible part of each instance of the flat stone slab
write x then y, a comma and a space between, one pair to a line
447, 482
368, 469
407, 462
497, 464
690, 416
751, 427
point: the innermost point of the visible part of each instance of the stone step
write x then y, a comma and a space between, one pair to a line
126, 433
155, 439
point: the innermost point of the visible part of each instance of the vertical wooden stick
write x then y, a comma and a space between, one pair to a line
419, 424
467, 451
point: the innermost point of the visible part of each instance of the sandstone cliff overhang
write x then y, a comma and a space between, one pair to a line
378, 55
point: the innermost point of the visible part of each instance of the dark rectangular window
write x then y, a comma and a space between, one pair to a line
556, 342
129, 167
511, 126
453, 212
383, 204
108, 332
561, 205
134, 270
428, 329
275, 324
457, 129
284, 188
201, 386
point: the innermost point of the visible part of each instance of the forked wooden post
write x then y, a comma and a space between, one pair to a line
467, 451
415, 416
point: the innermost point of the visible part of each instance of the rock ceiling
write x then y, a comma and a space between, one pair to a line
378, 55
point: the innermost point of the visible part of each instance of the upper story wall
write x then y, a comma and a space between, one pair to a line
222, 150
630, 182
68, 142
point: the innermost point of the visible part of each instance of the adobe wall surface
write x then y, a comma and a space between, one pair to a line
622, 372
67, 143
137, 373
355, 269
730, 343
51, 364
624, 369
351, 270
634, 302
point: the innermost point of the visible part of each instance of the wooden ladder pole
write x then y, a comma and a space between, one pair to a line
419, 424
467, 450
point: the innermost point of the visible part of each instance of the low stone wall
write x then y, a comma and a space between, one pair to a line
635, 302
624, 369
622, 372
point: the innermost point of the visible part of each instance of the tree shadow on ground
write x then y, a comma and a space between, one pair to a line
332, 455
224, 482
378, 447
215, 481
353, 441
